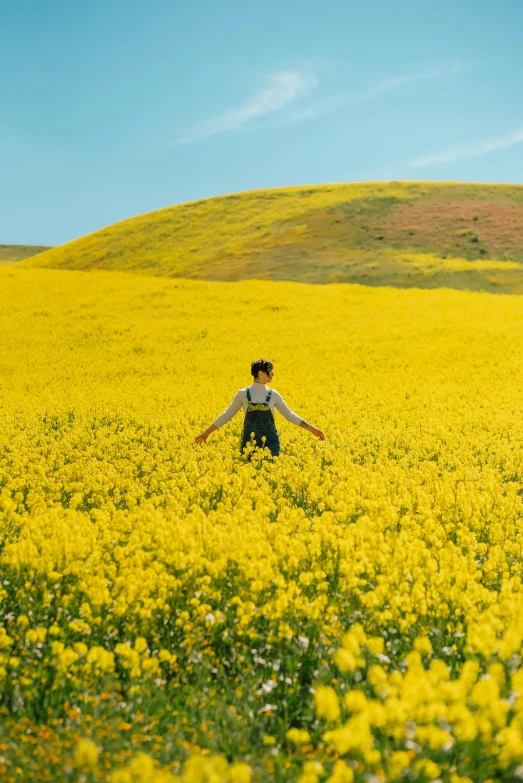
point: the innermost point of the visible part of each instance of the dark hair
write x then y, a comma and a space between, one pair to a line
261, 365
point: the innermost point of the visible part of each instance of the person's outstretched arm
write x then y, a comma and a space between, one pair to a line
202, 437
286, 412
315, 431
226, 416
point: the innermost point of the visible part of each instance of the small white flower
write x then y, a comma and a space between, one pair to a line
267, 687
268, 708
303, 641
209, 618
411, 745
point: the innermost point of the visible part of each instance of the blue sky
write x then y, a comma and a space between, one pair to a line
110, 109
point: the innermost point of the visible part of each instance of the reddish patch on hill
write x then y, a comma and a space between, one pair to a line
459, 228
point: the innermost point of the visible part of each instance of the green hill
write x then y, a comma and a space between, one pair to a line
10, 253
422, 234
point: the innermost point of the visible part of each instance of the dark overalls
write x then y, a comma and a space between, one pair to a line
259, 419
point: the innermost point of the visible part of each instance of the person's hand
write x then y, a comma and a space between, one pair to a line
319, 434
202, 438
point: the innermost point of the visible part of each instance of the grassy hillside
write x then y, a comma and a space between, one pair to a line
10, 253
428, 235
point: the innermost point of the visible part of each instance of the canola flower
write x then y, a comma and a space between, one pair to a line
172, 612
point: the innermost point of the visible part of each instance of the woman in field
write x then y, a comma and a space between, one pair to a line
259, 402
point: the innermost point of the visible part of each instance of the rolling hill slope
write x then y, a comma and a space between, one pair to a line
10, 253
428, 235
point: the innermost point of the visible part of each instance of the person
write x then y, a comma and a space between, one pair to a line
259, 402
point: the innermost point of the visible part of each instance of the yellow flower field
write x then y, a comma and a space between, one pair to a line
352, 611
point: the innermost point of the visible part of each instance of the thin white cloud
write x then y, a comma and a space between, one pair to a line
284, 88
474, 149
334, 102
319, 108
395, 83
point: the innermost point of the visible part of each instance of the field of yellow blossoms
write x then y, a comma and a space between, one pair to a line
352, 611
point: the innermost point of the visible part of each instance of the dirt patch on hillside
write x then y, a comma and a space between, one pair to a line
460, 228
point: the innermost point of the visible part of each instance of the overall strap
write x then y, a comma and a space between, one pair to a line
248, 395
267, 399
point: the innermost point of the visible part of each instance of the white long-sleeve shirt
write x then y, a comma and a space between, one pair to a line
258, 392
